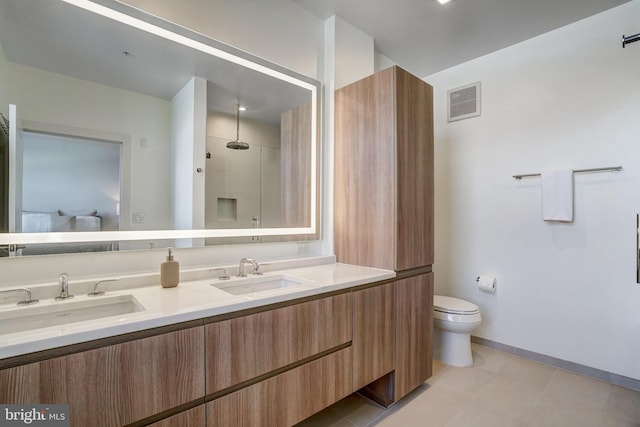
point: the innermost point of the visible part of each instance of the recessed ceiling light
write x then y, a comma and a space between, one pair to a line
443, 1
242, 108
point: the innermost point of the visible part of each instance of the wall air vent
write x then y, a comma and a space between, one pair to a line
463, 102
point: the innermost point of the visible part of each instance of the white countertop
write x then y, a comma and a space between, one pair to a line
190, 300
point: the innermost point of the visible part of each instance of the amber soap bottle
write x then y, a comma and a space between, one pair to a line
170, 272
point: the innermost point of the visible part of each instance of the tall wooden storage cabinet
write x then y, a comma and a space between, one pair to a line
295, 177
383, 201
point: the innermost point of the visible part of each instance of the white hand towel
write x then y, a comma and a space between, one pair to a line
557, 195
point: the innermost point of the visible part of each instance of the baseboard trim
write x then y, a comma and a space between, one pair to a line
599, 374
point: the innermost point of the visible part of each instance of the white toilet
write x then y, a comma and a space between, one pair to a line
453, 320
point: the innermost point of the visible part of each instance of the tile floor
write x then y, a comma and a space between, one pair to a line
499, 390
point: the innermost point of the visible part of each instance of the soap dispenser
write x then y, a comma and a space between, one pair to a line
170, 272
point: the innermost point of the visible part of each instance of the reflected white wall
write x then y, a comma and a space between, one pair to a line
188, 133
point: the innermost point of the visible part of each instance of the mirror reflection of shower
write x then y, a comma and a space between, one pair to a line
237, 144
243, 187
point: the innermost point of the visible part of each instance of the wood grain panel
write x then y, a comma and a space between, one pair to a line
288, 398
295, 149
373, 334
365, 168
20, 384
28, 358
192, 418
228, 410
414, 332
414, 103
383, 190
118, 384
246, 347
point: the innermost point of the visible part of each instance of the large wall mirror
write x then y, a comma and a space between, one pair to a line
120, 129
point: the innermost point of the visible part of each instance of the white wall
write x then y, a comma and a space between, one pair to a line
381, 62
568, 98
354, 53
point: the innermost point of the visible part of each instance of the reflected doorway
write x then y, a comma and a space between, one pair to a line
74, 181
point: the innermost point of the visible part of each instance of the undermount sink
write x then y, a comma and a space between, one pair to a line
257, 284
37, 316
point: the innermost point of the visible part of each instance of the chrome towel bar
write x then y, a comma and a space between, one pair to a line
608, 169
630, 39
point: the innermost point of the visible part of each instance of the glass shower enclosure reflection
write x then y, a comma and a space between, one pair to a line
242, 188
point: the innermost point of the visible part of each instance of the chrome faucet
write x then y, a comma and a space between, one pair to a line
257, 271
243, 261
27, 300
224, 275
63, 286
96, 292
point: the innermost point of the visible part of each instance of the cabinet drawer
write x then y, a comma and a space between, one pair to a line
115, 385
192, 418
414, 332
373, 334
246, 347
288, 398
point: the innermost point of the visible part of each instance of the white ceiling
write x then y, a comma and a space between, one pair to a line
425, 37
420, 35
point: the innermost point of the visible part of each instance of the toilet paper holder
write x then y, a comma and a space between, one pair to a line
486, 283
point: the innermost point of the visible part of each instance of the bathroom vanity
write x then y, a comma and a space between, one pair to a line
267, 350
200, 355
384, 168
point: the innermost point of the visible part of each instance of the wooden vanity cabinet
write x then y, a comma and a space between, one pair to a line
374, 332
414, 332
383, 186
269, 366
247, 347
280, 364
195, 417
287, 398
117, 384
278, 367
383, 214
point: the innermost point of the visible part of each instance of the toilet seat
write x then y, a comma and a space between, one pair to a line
450, 305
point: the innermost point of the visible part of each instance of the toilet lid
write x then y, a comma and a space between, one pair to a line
453, 305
